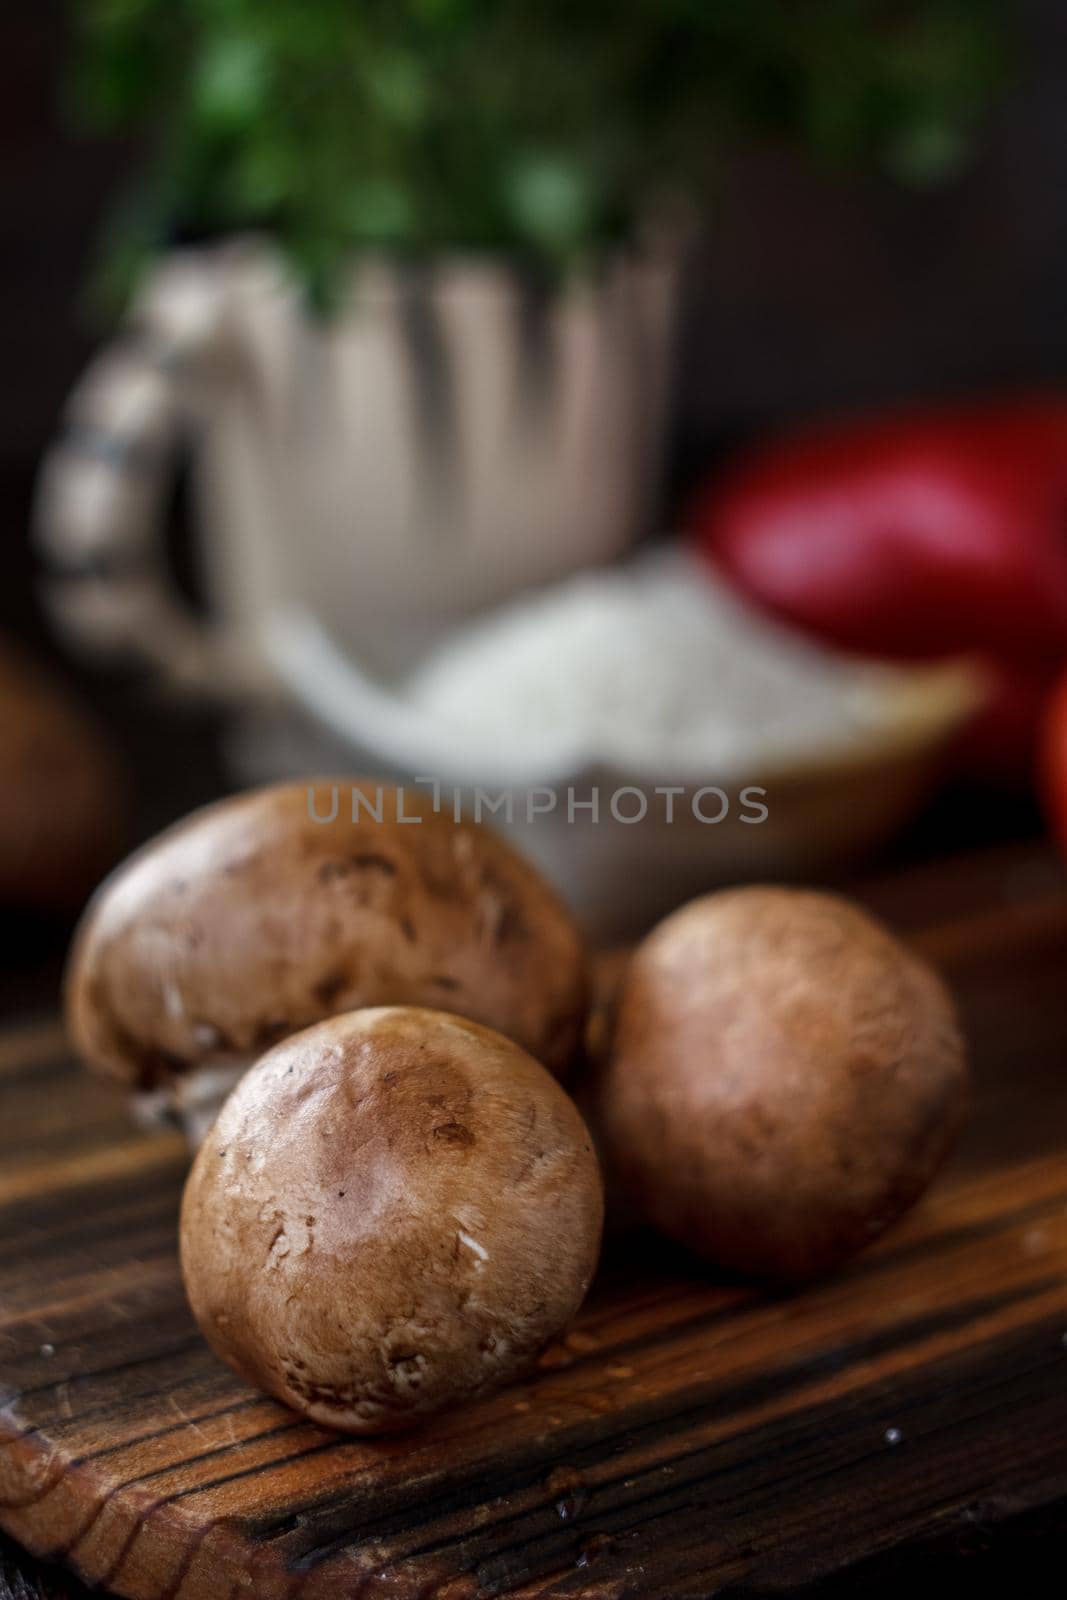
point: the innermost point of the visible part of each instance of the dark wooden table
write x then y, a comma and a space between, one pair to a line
690, 1437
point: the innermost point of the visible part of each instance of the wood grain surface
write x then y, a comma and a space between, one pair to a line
689, 1435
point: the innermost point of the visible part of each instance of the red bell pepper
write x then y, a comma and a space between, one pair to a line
914, 536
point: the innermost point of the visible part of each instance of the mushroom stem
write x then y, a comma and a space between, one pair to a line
191, 1103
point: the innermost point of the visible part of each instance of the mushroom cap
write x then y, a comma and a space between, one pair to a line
252, 919
63, 801
784, 1080
395, 1210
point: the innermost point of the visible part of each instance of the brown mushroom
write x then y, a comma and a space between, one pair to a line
62, 794
396, 1210
262, 914
784, 1080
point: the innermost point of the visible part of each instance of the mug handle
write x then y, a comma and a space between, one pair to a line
101, 488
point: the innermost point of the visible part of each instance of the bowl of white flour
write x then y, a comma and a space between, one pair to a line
643, 733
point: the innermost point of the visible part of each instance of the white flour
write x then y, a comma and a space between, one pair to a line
656, 666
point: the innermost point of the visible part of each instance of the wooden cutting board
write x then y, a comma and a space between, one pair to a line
688, 1436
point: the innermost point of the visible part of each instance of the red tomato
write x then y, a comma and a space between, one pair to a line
1053, 761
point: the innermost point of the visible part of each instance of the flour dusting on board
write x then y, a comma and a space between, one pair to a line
654, 665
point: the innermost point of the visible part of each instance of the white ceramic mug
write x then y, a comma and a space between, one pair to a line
362, 482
